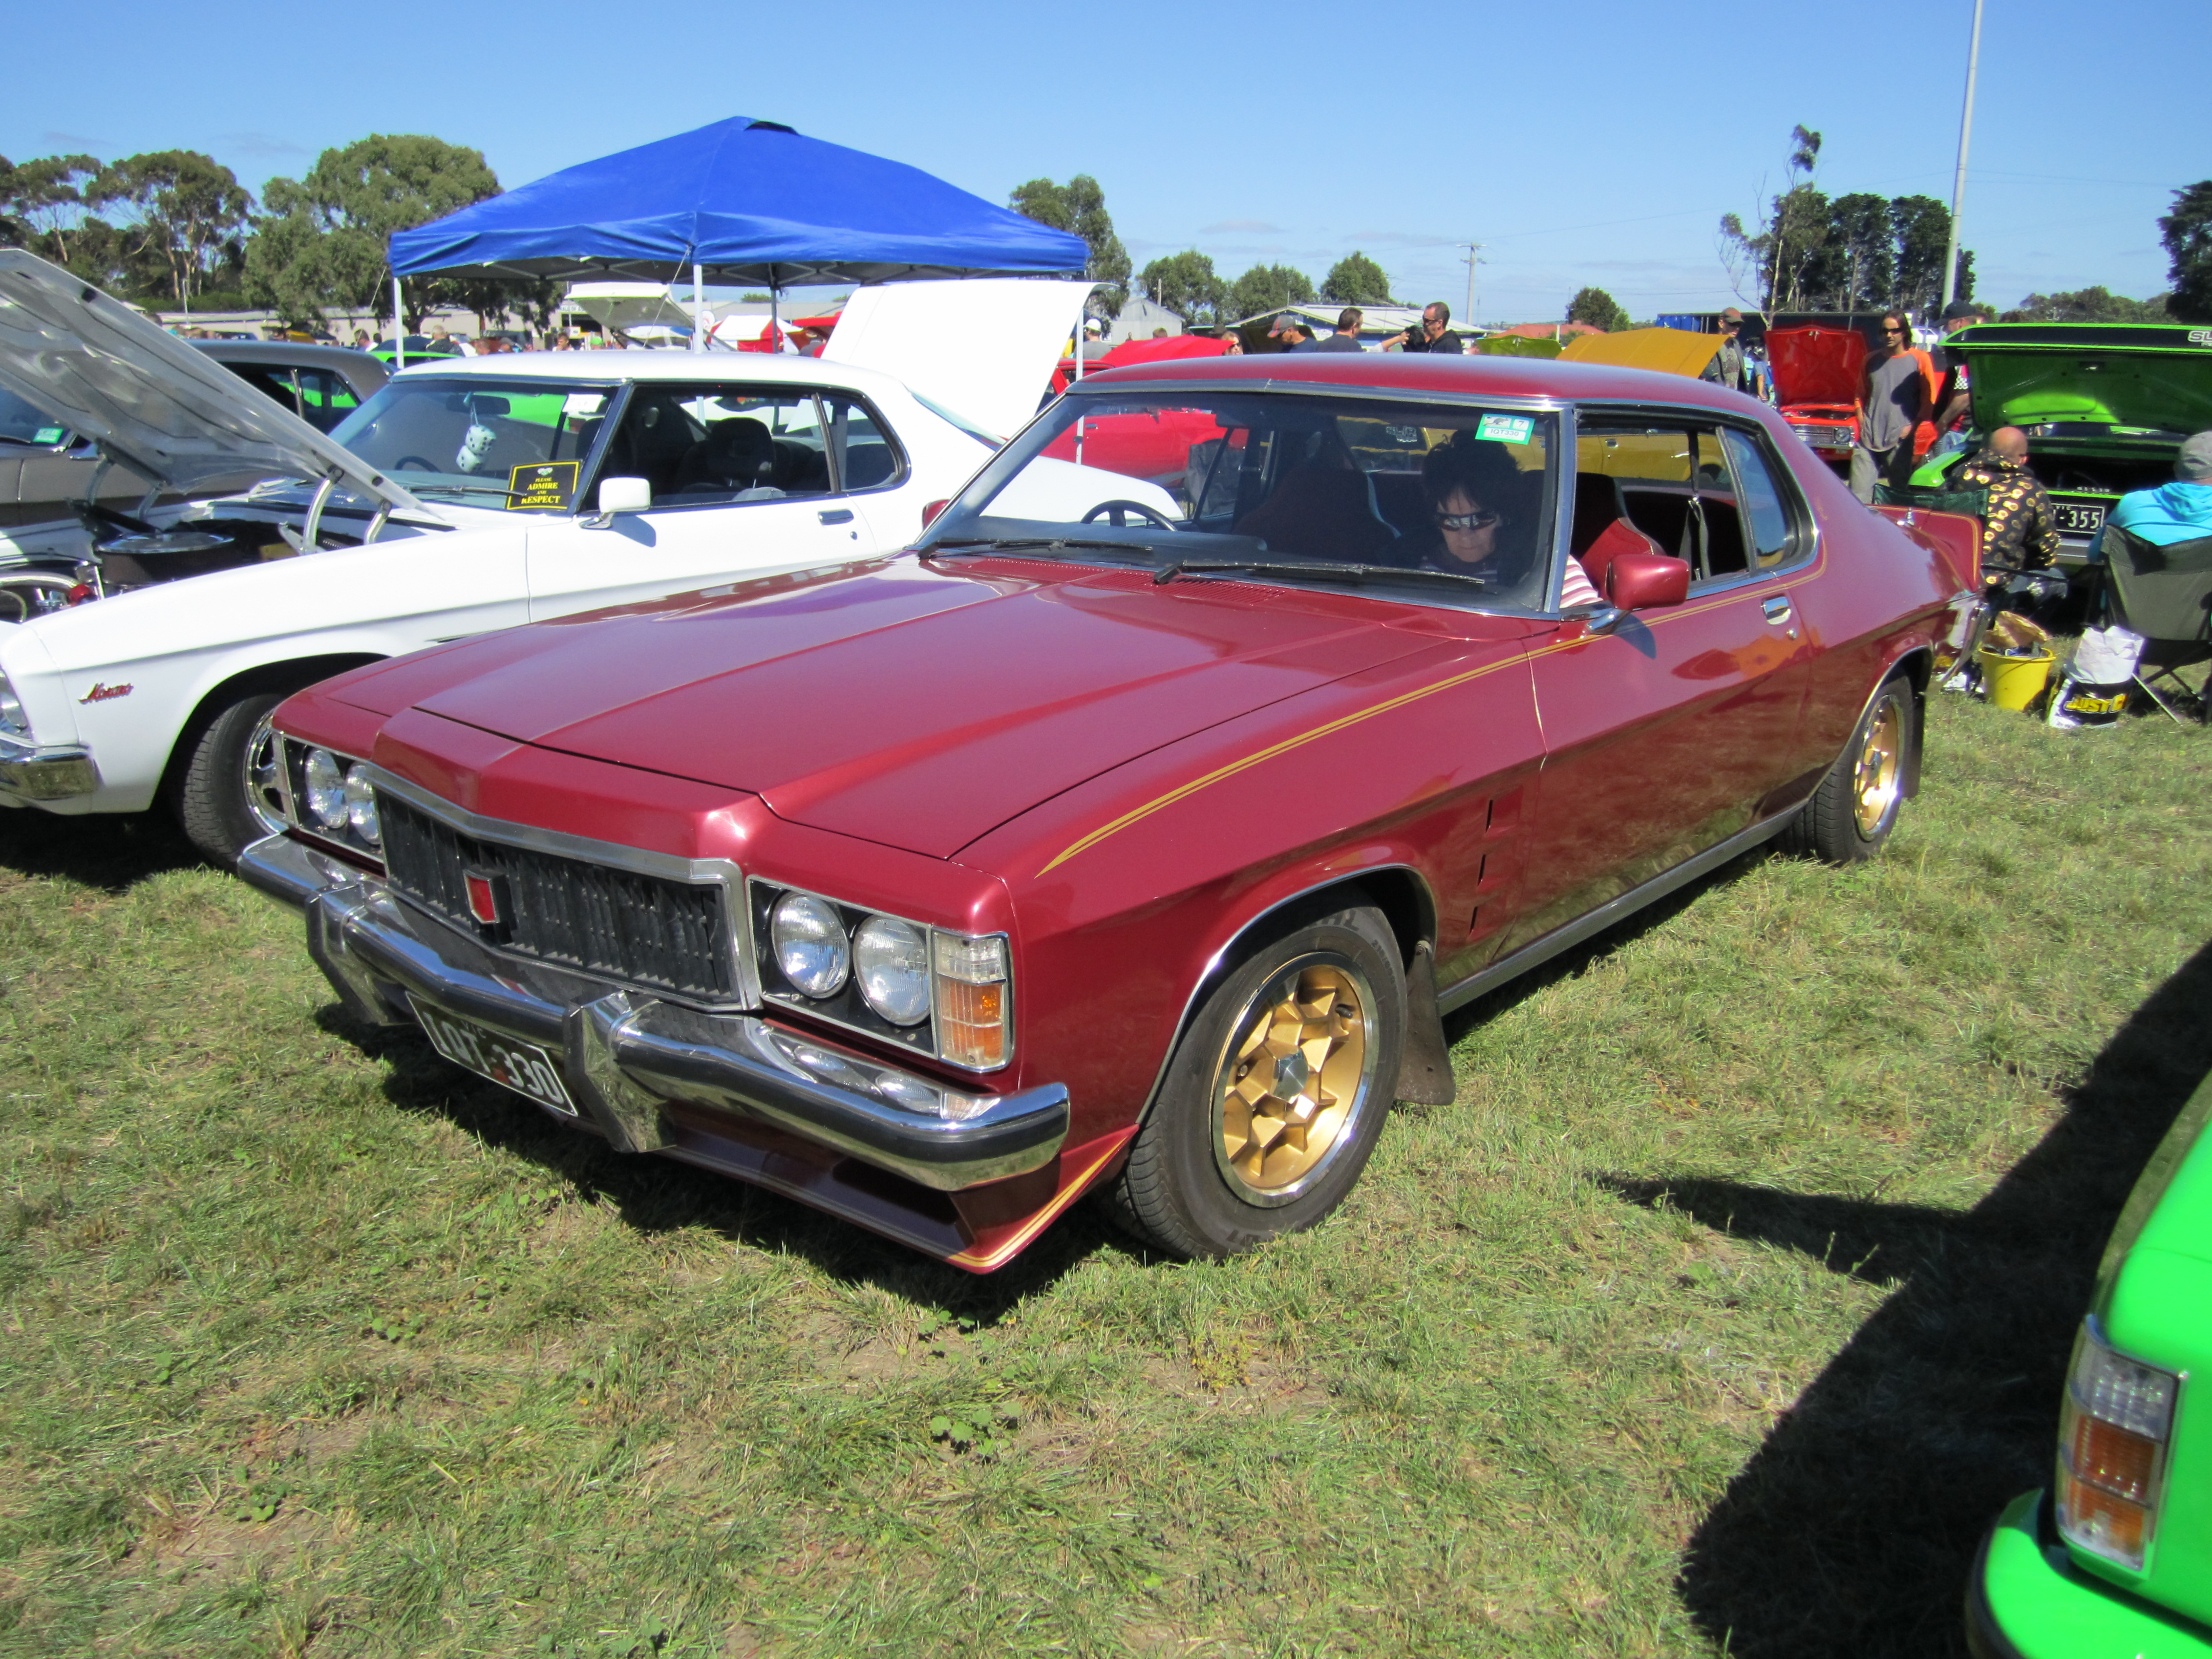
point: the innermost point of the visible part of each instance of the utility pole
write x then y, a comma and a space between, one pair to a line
1959, 182
1473, 258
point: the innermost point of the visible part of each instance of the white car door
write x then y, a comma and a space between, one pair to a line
742, 485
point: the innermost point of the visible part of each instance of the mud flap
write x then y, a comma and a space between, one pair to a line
1425, 1074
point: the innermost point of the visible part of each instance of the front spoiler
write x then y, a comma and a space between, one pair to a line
2026, 1599
623, 1056
28, 772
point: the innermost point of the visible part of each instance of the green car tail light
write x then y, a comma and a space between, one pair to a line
2114, 1434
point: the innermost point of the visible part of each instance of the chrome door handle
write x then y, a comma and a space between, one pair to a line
1777, 609
837, 515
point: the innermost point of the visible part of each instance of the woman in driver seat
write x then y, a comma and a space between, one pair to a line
1484, 515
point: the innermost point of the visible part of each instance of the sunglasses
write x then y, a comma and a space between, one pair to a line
1898, 331
1480, 519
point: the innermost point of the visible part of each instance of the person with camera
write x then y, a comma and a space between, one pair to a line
1435, 333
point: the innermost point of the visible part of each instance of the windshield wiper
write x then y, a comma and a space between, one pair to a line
1050, 544
1168, 572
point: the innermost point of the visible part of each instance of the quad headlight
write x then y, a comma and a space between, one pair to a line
945, 993
332, 797
811, 949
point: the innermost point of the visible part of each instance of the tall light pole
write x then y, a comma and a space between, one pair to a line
1959, 182
1473, 258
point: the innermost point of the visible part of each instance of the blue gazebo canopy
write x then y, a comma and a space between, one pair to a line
752, 201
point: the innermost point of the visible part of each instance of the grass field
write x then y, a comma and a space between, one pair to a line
1720, 1313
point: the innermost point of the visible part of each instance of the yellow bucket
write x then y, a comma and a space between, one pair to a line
2015, 681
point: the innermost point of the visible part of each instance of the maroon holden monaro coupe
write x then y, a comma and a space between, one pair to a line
1128, 834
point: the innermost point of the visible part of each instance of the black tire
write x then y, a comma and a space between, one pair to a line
1182, 1190
1852, 813
223, 805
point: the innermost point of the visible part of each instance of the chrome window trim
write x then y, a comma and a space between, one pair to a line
667, 866
930, 930
1806, 522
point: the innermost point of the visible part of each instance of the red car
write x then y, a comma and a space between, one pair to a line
1817, 373
1137, 850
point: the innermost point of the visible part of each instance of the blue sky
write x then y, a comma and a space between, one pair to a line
1597, 143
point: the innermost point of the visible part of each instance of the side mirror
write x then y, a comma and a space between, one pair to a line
625, 494
619, 496
1646, 581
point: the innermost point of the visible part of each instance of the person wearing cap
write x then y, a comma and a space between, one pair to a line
1094, 339
1952, 399
1290, 330
2170, 514
1346, 338
1727, 367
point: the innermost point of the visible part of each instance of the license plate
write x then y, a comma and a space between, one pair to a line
2082, 519
522, 1066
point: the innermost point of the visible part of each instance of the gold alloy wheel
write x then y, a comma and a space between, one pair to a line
1293, 1079
1874, 789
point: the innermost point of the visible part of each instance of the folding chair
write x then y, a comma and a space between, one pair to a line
2165, 594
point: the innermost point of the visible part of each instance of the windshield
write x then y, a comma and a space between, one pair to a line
23, 423
514, 443
1452, 501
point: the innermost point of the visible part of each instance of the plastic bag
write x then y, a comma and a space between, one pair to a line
2106, 655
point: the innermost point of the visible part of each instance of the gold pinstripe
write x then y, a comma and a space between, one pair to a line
1330, 728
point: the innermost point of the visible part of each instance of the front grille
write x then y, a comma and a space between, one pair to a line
647, 931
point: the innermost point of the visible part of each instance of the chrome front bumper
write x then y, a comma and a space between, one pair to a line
622, 1056
29, 772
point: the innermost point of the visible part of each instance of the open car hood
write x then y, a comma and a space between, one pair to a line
1816, 365
982, 348
157, 406
2152, 378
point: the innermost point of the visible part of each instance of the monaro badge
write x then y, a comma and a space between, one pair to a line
100, 693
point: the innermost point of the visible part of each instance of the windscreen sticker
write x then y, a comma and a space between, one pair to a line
51, 435
541, 486
1507, 429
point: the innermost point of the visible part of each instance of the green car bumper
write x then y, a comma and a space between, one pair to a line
2027, 1600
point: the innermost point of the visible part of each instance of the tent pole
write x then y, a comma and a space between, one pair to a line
698, 306
775, 322
398, 327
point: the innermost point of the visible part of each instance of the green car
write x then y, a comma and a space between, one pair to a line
2104, 405
2118, 1559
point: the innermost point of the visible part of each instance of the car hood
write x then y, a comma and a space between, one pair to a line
1816, 365
2149, 378
903, 705
167, 412
982, 348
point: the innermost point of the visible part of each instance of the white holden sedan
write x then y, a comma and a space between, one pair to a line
469, 495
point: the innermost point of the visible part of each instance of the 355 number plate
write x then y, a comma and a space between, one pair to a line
2082, 519
522, 1066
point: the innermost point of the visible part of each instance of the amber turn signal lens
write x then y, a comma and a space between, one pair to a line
2111, 1526
2109, 1456
971, 1023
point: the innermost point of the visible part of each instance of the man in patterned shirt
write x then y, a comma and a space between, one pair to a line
2019, 531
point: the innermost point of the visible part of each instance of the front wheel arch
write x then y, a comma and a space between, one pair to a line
280, 678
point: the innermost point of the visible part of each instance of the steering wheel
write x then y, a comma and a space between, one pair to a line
1116, 512
414, 461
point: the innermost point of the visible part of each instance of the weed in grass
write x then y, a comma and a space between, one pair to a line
1720, 1313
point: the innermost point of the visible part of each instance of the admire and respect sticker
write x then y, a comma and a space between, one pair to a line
541, 486
1507, 429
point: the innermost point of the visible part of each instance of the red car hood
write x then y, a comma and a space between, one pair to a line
913, 707
1816, 365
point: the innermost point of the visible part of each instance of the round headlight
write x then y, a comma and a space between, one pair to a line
890, 958
361, 806
811, 947
326, 790
11, 710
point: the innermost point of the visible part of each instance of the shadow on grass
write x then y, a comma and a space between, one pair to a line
107, 850
1853, 1528
658, 1194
